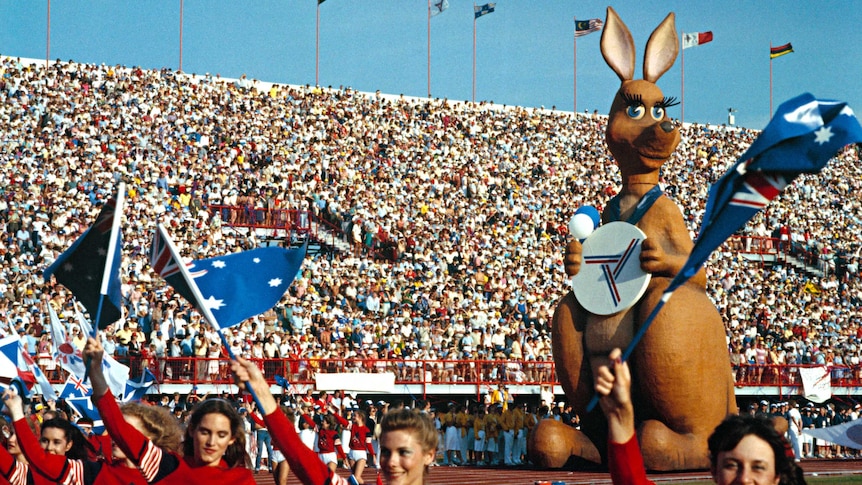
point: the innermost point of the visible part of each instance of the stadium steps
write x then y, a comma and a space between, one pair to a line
800, 265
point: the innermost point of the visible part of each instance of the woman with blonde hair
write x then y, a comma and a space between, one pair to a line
408, 440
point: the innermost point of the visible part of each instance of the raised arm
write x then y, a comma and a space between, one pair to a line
55, 468
153, 462
302, 460
613, 384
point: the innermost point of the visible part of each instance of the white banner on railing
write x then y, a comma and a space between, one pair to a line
816, 383
355, 382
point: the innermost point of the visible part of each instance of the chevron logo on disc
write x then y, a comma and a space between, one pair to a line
611, 279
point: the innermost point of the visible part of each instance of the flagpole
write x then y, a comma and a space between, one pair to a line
770, 78
429, 48
682, 85
204, 309
474, 53
48, 35
181, 35
575, 70
317, 48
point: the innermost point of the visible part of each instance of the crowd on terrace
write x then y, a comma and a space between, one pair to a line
471, 199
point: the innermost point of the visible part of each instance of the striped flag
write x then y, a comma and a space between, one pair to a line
584, 27
694, 39
780, 50
438, 6
480, 10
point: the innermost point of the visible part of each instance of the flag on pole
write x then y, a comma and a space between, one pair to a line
802, 137
438, 6
75, 387
136, 389
13, 368
67, 355
584, 27
83, 266
115, 373
480, 10
693, 39
86, 328
230, 288
780, 50
320, 1
84, 406
45, 387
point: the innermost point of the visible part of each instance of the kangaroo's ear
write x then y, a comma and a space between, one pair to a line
618, 48
661, 49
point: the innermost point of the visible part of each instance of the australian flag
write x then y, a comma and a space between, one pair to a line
75, 387
82, 267
802, 137
233, 287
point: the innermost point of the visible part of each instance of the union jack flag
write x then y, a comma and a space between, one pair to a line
758, 189
75, 387
163, 262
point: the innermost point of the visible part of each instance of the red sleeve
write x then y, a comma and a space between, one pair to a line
341, 419
626, 463
308, 420
7, 463
152, 461
257, 420
302, 460
53, 467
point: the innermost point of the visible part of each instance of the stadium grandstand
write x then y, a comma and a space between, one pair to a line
435, 228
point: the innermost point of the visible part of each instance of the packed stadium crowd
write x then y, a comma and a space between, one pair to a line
457, 214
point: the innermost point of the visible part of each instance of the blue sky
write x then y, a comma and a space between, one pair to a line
524, 49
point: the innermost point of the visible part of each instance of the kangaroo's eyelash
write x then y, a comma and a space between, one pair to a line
632, 99
667, 102
637, 100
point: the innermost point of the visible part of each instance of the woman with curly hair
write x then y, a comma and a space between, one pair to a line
213, 448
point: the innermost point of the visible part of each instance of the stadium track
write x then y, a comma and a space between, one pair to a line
442, 475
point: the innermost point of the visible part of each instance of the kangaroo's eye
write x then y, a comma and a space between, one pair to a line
636, 111
657, 112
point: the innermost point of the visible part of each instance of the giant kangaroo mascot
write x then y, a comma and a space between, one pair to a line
682, 384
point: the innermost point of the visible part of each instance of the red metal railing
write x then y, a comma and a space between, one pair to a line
262, 218
191, 370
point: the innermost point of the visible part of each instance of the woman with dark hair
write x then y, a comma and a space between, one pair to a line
214, 445
71, 469
741, 449
739, 437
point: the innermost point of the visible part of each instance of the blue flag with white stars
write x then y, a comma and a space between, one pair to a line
802, 137
241, 285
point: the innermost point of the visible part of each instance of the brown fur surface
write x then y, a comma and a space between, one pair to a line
682, 385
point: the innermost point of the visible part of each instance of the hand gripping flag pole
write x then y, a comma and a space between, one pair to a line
802, 137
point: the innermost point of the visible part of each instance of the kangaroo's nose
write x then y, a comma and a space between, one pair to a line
667, 126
